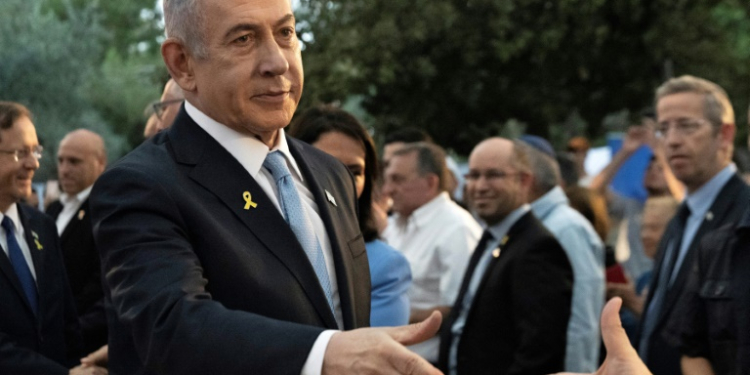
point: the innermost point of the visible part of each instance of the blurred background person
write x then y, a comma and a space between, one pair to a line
81, 159
624, 211
656, 215
165, 110
338, 133
578, 148
581, 244
435, 234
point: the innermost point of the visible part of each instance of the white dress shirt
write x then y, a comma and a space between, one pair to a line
250, 153
71, 204
12, 213
437, 239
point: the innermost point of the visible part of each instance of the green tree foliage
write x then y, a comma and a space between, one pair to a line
462, 69
56, 58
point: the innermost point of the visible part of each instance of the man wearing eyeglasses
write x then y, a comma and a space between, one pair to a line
81, 158
38, 324
695, 120
512, 311
166, 109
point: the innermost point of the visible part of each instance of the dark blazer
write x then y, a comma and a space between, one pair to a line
519, 317
196, 283
663, 358
84, 273
50, 342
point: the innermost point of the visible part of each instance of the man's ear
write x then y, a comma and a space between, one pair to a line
180, 63
433, 182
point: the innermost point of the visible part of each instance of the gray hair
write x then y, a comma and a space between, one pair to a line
545, 169
184, 20
716, 105
430, 160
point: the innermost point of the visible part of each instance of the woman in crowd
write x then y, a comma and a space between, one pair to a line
338, 133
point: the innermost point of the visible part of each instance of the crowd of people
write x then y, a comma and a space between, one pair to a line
241, 239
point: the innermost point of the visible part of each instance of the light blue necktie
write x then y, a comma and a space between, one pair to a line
294, 214
19, 264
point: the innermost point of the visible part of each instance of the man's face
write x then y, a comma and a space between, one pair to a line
697, 154
252, 78
406, 187
172, 99
78, 164
494, 188
15, 176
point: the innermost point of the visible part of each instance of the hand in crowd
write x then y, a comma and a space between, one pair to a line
377, 350
637, 136
88, 370
630, 299
621, 359
97, 358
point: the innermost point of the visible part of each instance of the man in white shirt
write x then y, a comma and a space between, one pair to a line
435, 234
81, 159
229, 248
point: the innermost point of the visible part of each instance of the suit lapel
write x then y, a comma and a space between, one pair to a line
212, 165
342, 259
75, 222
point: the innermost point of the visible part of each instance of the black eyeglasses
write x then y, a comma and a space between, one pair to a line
160, 107
19, 155
489, 175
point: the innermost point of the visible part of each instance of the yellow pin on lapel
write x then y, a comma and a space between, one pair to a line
504, 241
81, 214
36, 241
249, 200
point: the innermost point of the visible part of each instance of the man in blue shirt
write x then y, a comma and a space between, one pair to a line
585, 252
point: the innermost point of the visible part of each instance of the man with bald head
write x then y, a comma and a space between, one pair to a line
512, 311
165, 110
81, 158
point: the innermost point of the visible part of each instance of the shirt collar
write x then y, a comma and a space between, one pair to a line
12, 213
425, 213
500, 229
65, 198
547, 202
700, 201
247, 149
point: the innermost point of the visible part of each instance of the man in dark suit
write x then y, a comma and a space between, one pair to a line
228, 248
81, 159
512, 311
696, 124
38, 327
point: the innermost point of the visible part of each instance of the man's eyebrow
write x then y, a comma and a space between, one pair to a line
284, 20
252, 26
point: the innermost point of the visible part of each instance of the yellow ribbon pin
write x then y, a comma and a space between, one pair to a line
249, 200
38, 245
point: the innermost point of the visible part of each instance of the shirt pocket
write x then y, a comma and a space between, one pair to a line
719, 304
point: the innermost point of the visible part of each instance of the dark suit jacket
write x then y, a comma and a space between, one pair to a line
663, 358
84, 273
196, 284
519, 316
50, 342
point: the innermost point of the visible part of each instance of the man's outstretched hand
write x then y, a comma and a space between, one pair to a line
381, 350
621, 359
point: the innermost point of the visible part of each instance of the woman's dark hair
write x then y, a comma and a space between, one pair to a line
314, 122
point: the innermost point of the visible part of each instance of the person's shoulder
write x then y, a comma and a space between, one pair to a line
384, 259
